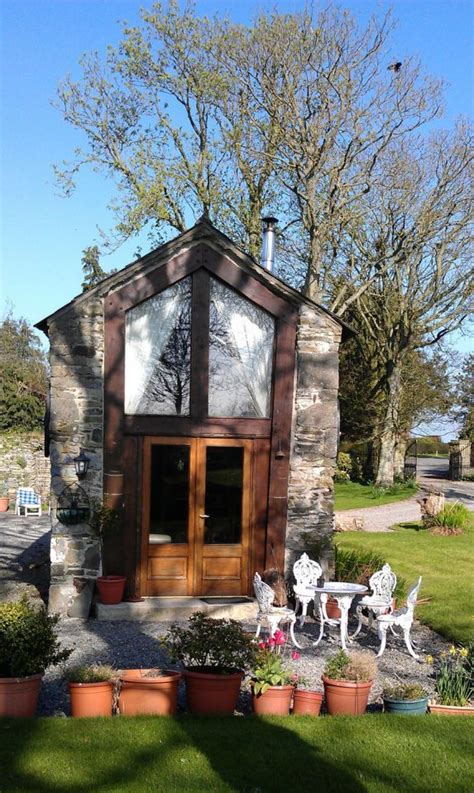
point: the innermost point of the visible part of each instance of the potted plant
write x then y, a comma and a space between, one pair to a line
106, 521
347, 679
454, 687
3, 497
149, 691
28, 645
215, 653
91, 690
272, 680
306, 701
409, 699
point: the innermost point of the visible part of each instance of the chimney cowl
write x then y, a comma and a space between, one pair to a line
268, 242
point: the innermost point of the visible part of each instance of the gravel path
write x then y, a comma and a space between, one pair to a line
384, 517
134, 645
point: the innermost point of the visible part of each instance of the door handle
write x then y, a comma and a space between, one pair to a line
204, 516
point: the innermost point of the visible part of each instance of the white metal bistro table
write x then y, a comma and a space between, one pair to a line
344, 593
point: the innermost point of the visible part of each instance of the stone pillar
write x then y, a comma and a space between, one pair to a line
76, 360
315, 439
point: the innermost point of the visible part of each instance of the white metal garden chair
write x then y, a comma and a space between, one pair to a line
270, 615
306, 573
400, 617
28, 500
382, 584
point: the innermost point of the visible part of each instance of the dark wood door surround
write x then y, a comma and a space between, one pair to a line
267, 441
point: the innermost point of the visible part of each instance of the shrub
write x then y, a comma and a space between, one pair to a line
28, 640
408, 691
358, 566
95, 673
343, 467
219, 646
356, 666
452, 519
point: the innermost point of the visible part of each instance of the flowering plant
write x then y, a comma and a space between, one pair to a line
454, 684
270, 668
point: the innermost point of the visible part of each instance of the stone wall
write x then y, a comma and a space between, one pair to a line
76, 360
315, 438
23, 464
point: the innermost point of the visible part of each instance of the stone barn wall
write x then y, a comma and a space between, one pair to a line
23, 464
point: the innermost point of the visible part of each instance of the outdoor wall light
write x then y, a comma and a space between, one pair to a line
81, 464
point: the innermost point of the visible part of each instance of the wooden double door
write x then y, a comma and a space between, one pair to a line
197, 516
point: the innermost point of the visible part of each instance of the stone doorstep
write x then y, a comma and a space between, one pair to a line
164, 609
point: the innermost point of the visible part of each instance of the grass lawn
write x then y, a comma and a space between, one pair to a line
352, 495
446, 564
369, 754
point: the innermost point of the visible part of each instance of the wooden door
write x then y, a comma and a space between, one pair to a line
196, 522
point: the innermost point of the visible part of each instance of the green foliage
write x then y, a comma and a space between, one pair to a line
452, 516
405, 487
343, 468
357, 566
464, 398
356, 666
104, 520
221, 646
28, 640
270, 670
22, 376
93, 272
95, 673
408, 691
454, 683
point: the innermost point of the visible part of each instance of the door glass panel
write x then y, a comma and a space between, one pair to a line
240, 355
169, 496
158, 353
224, 483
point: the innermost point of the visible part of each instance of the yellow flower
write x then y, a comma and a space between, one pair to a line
429, 659
463, 652
452, 650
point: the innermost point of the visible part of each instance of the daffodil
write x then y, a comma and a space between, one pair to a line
429, 659
452, 650
463, 652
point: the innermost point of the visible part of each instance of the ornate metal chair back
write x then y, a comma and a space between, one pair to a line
383, 582
412, 596
263, 593
306, 571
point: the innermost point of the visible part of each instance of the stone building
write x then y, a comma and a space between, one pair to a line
204, 391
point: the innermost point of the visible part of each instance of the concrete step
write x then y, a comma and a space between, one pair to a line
168, 609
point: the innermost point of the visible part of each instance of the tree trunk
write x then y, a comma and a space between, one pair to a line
389, 438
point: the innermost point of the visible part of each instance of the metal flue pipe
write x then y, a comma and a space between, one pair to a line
268, 242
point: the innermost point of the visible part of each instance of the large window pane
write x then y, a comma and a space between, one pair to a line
240, 355
169, 494
224, 478
158, 353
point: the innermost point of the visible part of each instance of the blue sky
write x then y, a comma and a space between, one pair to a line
42, 233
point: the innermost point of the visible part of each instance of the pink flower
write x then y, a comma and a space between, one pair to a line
294, 655
271, 642
279, 638
261, 645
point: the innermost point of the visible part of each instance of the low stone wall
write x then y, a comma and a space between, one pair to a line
23, 464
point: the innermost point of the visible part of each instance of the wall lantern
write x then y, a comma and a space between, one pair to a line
81, 464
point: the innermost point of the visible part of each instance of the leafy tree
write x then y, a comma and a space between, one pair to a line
93, 272
464, 398
22, 376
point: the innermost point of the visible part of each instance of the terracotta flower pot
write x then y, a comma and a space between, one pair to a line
91, 699
111, 589
451, 710
332, 609
3, 503
140, 694
19, 695
346, 697
275, 701
208, 693
307, 702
